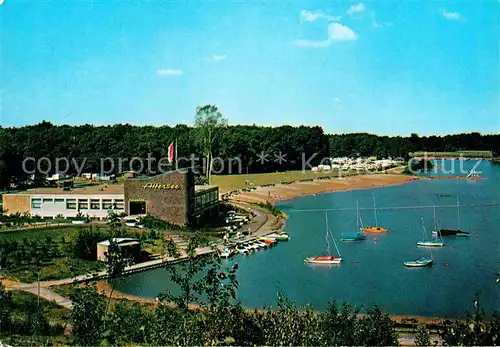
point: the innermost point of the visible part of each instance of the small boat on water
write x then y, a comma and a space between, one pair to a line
436, 241
433, 243
278, 236
452, 232
225, 253
326, 259
242, 249
421, 262
283, 235
261, 244
473, 175
268, 241
357, 236
374, 229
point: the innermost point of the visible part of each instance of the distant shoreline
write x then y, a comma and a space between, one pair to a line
283, 192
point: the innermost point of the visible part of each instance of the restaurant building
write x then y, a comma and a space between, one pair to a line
172, 197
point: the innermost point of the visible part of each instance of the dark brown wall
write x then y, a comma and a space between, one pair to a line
171, 205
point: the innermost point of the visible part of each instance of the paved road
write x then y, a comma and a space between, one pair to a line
50, 295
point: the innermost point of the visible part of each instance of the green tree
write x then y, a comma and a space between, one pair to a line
422, 337
340, 325
129, 323
116, 264
376, 329
87, 315
209, 120
475, 331
6, 306
113, 221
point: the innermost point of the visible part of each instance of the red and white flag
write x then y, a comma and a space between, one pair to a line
171, 153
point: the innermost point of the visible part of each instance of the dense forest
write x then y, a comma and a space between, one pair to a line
295, 144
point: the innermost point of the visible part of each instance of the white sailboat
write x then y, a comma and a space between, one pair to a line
437, 241
423, 261
326, 259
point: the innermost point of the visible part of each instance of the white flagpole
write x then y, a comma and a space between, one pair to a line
176, 168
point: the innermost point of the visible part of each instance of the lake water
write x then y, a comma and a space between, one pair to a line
372, 271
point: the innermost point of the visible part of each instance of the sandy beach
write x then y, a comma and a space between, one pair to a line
279, 192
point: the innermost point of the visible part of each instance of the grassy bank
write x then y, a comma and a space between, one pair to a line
57, 253
47, 252
456, 154
228, 183
32, 324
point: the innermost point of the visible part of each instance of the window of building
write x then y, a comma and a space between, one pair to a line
71, 204
95, 204
106, 204
47, 200
83, 204
58, 200
119, 204
36, 203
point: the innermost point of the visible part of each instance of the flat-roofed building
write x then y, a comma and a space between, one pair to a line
172, 197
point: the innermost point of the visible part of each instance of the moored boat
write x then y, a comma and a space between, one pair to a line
357, 236
324, 259
437, 241
424, 261
225, 253
268, 241
433, 243
452, 232
374, 229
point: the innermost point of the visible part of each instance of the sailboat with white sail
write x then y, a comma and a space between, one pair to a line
423, 261
437, 241
359, 235
374, 229
326, 259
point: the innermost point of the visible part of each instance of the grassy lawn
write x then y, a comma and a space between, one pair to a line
25, 304
465, 153
61, 267
58, 268
65, 264
228, 183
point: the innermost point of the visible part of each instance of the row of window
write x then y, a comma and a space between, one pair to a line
207, 198
82, 204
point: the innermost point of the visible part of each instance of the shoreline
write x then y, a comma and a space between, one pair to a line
104, 288
284, 192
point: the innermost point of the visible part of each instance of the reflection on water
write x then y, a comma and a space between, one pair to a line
373, 270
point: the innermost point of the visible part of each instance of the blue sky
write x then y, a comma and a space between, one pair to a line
385, 67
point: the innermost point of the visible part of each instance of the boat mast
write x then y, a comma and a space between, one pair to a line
357, 215
375, 210
423, 229
435, 222
326, 235
335, 243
